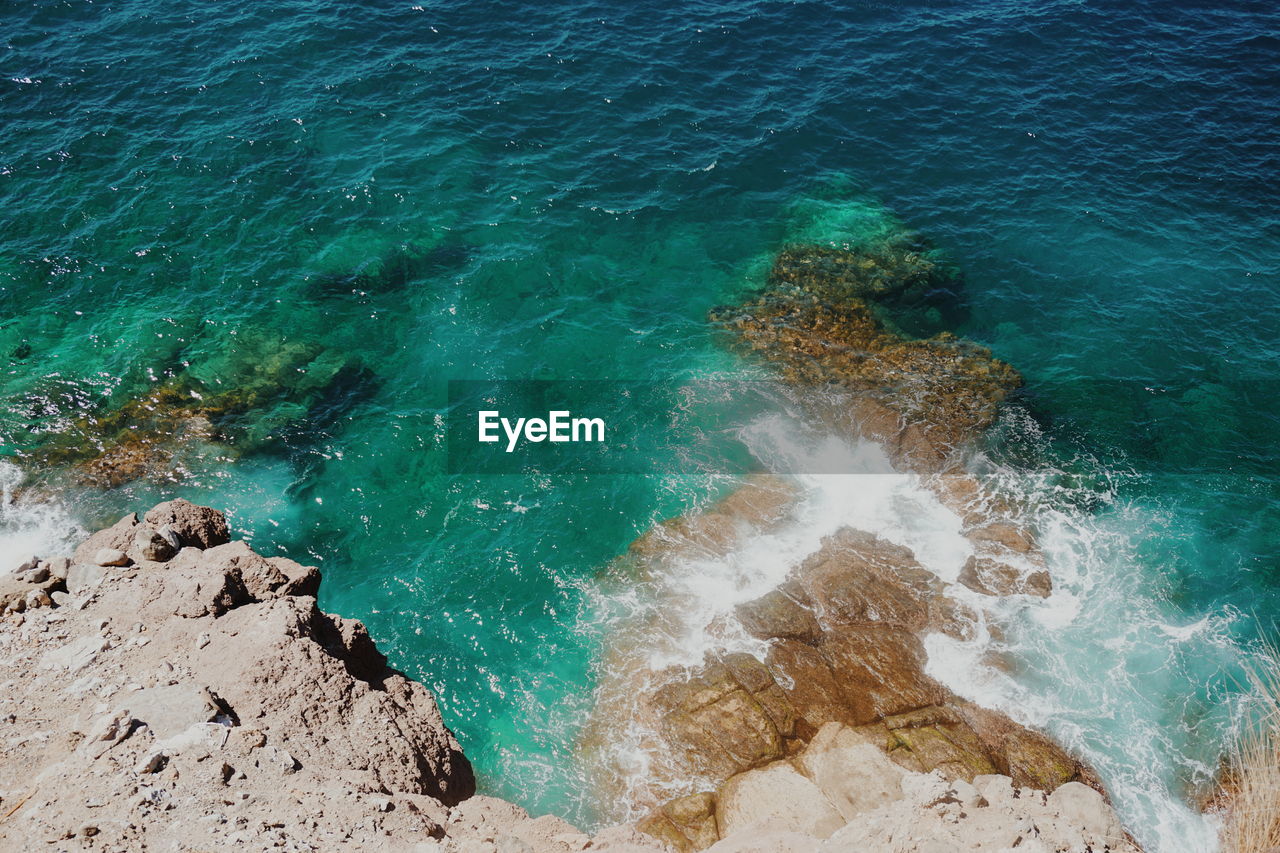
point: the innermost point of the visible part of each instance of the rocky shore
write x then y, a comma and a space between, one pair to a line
167, 688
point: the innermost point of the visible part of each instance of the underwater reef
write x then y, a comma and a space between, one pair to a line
834, 318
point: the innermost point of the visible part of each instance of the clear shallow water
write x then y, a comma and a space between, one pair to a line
389, 197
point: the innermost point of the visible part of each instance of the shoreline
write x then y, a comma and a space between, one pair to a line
167, 678
831, 639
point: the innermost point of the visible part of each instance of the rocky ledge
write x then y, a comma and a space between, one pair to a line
842, 794
167, 688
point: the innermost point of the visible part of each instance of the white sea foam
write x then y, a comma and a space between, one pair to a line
868, 494
1102, 665
1106, 669
29, 527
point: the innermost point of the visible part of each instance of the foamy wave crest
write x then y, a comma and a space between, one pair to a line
681, 605
31, 526
1105, 665
707, 586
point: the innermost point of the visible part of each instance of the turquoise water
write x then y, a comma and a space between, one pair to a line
316, 215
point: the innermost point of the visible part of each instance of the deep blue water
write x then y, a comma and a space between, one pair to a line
385, 196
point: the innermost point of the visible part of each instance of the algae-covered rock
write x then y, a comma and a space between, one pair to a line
251, 394
878, 272
848, 317
948, 388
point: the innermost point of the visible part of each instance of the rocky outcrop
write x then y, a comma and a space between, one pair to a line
177, 690
761, 502
843, 793
826, 317
203, 701
844, 635
841, 638
206, 680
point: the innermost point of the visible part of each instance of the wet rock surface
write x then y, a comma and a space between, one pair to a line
844, 648
825, 318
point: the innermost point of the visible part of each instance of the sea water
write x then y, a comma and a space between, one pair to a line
326, 212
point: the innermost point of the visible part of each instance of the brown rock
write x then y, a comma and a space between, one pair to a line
194, 588
262, 579
993, 577
846, 627
152, 546
284, 664
938, 738
1005, 534
761, 502
197, 526
269, 711
722, 717
777, 614
1028, 757
16, 591
118, 536
686, 823
856, 675
660, 827
857, 578
943, 391
58, 566
1040, 584
964, 494
113, 557
300, 579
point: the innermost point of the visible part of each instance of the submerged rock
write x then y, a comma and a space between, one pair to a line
259, 391
945, 389
884, 271
825, 318
393, 269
